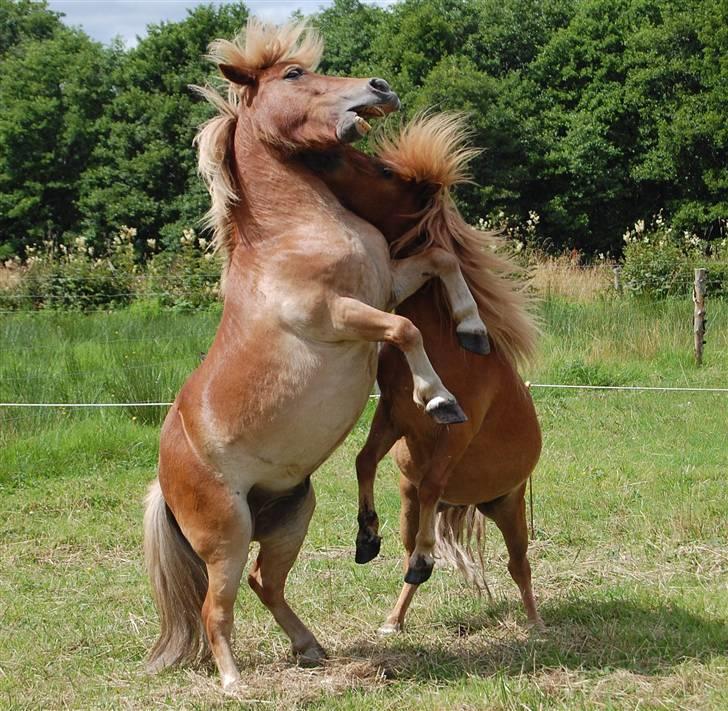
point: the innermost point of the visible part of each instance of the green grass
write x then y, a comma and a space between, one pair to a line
629, 560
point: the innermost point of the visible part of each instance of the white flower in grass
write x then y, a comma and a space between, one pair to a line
152, 243
202, 242
639, 226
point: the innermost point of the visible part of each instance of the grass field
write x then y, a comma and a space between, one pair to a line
630, 562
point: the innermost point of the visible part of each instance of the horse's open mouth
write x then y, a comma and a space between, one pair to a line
354, 125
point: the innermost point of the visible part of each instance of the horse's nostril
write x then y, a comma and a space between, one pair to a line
379, 85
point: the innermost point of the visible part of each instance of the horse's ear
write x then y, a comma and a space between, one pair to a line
237, 75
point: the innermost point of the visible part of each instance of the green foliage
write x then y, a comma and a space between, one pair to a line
185, 279
77, 278
25, 19
61, 277
350, 28
52, 92
144, 165
660, 261
594, 114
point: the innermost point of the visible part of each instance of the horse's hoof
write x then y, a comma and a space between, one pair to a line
312, 656
231, 682
536, 627
389, 628
474, 342
445, 412
418, 574
367, 548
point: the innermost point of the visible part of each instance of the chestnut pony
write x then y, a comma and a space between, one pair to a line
448, 474
307, 289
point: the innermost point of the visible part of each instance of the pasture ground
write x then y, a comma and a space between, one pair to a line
630, 564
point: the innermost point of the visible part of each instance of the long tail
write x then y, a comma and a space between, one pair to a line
432, 149
179, 586
459, 539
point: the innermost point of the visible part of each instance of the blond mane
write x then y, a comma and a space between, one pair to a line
258, 46
433, 149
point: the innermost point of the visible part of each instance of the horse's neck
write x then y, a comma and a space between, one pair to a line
277, 193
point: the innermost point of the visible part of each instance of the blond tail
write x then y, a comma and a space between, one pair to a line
459, 538
179, 586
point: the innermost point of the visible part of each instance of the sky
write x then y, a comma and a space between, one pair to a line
105, 19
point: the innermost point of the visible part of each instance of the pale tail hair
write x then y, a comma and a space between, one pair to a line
179, 586
459, 540
434, 149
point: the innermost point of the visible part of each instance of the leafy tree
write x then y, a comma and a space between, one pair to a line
678, 69
52, 91
349, 28
144, 167
25, 19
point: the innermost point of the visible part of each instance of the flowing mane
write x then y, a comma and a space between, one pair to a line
258, 46
432, 149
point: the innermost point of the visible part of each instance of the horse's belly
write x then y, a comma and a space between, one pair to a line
292, 438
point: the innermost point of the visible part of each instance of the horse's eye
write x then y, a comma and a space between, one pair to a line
387, 172
293, 73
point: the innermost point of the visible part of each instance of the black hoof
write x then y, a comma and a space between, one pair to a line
475, 342
447, 413
418, 574
367, 548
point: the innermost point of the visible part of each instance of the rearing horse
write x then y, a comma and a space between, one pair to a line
307, 290
449, 475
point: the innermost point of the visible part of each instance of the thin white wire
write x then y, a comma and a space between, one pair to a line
627, 387
528, 384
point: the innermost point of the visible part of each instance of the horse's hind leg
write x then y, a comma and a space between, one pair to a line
281, 530
382, 436
225, 559
409, 522
509, 514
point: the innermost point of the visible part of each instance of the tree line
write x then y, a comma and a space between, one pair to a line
594, 114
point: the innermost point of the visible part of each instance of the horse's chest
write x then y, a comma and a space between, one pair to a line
364, 268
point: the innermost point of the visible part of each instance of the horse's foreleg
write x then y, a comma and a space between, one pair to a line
382, 436
285, 527
411, 273
449, 448
355, 320
409, 522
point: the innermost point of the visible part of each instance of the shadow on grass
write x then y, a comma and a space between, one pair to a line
614, 634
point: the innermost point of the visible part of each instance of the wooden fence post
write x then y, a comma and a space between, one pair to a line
701, 276
617, 278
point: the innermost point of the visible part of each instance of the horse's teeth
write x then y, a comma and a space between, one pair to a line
362, 126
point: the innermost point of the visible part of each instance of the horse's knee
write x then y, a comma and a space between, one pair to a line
406, 336
443, 262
